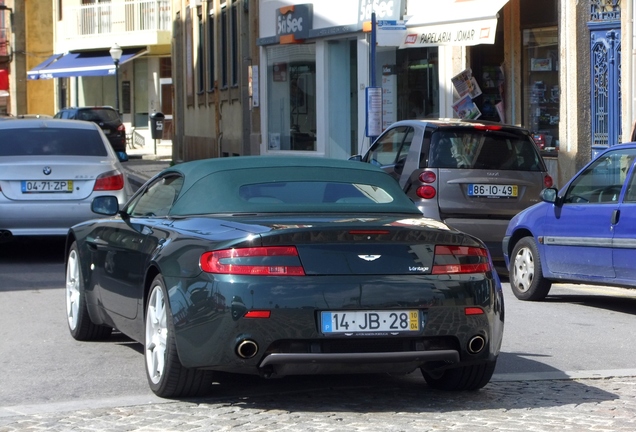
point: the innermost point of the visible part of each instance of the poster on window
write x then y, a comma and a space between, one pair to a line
280, 72
466, 84
274, 141
466, 109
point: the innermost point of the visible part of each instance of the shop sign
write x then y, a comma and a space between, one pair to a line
465, 34
294, 22
384, 9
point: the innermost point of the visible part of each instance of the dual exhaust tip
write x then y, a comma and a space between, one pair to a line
476, 344
247, 348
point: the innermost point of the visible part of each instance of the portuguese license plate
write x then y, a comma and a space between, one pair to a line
47, 186
370, 322
493, 190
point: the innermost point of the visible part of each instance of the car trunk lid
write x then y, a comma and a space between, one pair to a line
359, 245
60, 178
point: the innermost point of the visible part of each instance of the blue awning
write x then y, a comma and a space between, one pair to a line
93, 63
34, 73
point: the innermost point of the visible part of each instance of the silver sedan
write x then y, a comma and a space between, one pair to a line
50, 172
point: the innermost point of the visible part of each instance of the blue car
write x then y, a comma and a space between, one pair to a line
584, 233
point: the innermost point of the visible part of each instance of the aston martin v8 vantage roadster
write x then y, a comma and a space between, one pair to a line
283, 266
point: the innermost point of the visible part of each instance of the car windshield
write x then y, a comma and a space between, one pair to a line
461, 148
51, 141
312, 190
98, 114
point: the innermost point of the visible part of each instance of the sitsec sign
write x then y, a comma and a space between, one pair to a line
294, 22
384, 10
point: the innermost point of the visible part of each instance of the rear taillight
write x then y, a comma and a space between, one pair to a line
487, 127
472, 310
547, 181
460, 259
112, 180
257, 261
427, 191
121, 128
427, 177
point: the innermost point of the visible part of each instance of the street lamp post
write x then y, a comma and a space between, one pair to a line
115, 53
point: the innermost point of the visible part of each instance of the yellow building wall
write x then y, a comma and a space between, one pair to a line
39, 37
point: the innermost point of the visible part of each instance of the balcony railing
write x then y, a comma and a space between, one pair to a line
118, 16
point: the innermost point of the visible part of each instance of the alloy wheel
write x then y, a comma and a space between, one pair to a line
72, 289
156, 334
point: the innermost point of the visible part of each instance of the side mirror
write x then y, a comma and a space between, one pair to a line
105, 205
357, 158
549, 195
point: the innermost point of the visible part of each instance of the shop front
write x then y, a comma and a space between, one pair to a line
315, 68
448, 61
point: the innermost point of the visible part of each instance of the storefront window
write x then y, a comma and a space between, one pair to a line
291, 100
418, 83
410, 83
541, 86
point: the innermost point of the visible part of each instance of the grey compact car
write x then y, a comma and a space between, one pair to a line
474, 176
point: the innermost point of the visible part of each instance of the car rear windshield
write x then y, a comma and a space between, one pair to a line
51, 142
98, 115
474, 149
310, 190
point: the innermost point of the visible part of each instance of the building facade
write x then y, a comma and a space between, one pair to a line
25, 40
83, 71
238, 77
215, 60
551, 66
320, 68
6, 55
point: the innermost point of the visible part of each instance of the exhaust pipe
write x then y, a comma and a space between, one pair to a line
246, 349
476, 344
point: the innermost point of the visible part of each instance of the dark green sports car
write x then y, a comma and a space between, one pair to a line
280, 266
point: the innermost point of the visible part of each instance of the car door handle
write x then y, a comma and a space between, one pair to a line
616, 214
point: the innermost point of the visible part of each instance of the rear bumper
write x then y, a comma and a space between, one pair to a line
395, 362
41, 218
210, 328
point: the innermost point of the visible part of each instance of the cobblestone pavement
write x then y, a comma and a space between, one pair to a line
558, 405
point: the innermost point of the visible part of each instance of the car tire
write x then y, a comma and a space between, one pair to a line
79, 321
525, 273
471, 377
166, 375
